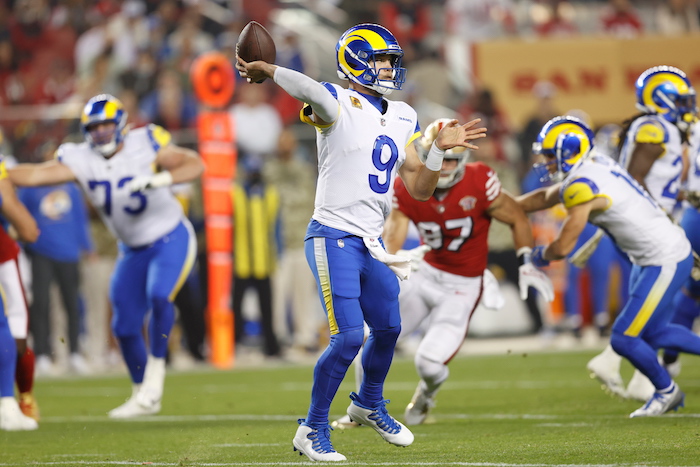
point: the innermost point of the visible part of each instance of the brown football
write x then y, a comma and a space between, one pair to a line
255, 43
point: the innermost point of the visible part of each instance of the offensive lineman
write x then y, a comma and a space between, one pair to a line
127, 176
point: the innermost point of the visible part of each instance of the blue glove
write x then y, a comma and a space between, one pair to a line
538, 257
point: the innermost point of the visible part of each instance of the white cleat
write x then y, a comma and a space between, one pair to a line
151, 391
12, 418
639, 387
660, 403
605, 367
315, 444
378, 418
343, 423
133, 407
418, 409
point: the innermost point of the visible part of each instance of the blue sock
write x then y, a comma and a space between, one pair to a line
135, 355
160, 325
376, 360
8, 360
642, 356
329, 373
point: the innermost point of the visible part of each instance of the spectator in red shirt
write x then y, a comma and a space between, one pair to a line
559, 23
409, 20
621, 20
59, 86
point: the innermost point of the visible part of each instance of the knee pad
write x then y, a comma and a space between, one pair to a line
123, 326
345, 345
386, 336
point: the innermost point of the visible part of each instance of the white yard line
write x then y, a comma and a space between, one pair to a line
289, 418
417, 464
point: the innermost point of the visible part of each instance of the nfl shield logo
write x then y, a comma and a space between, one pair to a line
383, 122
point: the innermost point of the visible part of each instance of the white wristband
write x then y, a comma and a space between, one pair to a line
164, 178
433, 161
524, 255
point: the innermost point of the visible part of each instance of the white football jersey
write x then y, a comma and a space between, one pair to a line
694, 158
634, 221
664, 178
137, 219
358, 157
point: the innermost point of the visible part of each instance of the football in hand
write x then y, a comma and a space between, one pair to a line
255, 43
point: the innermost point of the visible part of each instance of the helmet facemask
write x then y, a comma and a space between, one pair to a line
563, 143
449, 178
666, 91
100, 110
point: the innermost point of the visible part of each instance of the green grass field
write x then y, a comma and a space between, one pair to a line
507, 410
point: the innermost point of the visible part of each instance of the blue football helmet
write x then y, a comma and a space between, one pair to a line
358, 46
564, 141
666, 91
104, 108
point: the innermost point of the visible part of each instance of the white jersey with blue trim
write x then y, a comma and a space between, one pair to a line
635, 221
358, 157
137, 219
694, 157
664, 178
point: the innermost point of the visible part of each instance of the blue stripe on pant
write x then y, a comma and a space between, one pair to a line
144, 279
353, 287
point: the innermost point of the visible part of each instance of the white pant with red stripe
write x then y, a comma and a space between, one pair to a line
15, 303
445, 302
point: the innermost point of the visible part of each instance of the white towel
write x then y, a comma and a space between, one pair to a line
491, 297
399, 264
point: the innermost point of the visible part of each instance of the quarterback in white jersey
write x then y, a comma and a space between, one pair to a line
595, 189
364, 141
117, 170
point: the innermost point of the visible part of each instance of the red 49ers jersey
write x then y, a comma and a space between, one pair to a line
9, 249
456, 227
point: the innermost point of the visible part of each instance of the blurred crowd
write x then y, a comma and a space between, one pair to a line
55, 54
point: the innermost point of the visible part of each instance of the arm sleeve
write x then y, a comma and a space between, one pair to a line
305, 89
